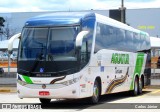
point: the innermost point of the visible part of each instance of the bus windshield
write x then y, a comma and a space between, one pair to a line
49, 44
47, 50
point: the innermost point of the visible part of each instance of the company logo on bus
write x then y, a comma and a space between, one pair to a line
41, 70
44, 86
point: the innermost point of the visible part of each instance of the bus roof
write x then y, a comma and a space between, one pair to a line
74, 18
58, 19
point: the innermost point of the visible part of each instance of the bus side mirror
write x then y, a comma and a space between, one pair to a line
11, 40
80, 37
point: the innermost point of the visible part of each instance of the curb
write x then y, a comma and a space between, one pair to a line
8, 90
152, 87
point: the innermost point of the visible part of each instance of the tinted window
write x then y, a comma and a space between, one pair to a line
108, 37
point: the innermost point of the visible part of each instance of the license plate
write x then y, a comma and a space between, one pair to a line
44, 93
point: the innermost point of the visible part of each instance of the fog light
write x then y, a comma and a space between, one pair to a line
18, 92
74, 91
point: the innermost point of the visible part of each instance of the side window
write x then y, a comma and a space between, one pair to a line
99, 37
136, 37
143, 42
129, 41
138, 42
120, 37
84, 51
103, 35
108, 37
88, 24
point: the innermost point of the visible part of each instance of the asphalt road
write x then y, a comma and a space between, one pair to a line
114, 102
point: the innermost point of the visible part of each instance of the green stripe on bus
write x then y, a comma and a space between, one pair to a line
27, 79
138, 68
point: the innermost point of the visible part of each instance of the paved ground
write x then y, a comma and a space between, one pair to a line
110, 103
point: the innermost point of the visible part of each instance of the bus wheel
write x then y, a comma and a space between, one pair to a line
140, 86
45, 101
96, 93
135, 91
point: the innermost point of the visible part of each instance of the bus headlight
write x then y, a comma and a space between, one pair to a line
69, 82
21, 82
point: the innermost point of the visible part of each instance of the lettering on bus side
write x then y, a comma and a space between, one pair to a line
118, 58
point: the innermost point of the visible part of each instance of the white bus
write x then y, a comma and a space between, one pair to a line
79, 55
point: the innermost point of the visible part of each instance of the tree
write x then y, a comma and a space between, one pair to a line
6, 31
2, 20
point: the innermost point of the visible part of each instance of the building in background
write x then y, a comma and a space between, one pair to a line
142, 19
4, 54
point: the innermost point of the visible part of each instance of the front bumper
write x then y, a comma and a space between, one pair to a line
55, 92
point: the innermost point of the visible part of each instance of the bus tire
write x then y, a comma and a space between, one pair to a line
96, 93
140, 86
44, 101
136, 86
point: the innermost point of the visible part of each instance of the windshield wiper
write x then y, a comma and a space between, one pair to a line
50, 57
36, 61
39, 57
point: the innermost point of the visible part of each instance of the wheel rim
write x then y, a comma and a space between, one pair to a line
95, 92
140, 86
136, 87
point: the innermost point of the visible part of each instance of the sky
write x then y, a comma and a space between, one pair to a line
72, 5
